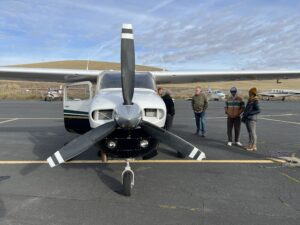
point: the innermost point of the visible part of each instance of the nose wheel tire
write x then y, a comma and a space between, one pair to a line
127, 180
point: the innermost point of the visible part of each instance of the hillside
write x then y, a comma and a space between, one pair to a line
82, 64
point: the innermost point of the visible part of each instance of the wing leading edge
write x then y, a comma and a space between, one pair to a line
48, 75
163, 77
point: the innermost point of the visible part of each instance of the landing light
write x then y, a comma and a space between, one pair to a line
144, 143
111, 144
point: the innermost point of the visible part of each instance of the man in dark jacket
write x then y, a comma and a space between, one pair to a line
169, 106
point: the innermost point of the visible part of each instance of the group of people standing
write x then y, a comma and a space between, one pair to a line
238, 113
235, 110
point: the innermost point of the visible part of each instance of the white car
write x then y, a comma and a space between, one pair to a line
216, 95
54, 95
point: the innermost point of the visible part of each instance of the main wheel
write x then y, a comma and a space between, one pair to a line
127, 180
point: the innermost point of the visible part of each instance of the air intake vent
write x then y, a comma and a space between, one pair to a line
103, 114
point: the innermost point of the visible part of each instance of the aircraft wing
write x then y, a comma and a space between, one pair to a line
48, 75
164, 77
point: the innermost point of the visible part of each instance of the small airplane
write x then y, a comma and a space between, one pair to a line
279, 93
215, 95
124, 116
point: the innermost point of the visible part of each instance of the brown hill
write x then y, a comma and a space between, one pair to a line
82, 64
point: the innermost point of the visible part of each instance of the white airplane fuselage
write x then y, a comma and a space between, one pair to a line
82, 115
280, 93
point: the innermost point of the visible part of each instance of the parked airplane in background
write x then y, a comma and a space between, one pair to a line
279, 93
123, 114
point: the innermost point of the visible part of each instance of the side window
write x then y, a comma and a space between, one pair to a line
78, 92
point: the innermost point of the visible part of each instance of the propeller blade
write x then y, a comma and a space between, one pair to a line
81, 144
127, 63
173, 141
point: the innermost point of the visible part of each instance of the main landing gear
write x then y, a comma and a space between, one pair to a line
127, 179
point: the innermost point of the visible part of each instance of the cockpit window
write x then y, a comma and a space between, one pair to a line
113, 80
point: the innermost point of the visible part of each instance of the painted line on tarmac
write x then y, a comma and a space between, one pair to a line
282, 121
260, 117
162, 161
9, 120
172, 207
290, 177
287, 114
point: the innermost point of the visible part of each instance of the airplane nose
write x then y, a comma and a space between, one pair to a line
128, 116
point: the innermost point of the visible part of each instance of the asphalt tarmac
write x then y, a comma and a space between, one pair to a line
232, 187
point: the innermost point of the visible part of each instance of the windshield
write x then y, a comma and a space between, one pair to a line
113, 80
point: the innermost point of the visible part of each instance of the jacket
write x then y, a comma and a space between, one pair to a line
169, 104
251, 110
199, 102
234, 106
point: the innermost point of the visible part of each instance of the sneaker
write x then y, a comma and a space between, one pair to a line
254, 148
203, 135
239, 144
249, 147
229, 143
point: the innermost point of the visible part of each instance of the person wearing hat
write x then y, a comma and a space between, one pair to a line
250, 118
234, 107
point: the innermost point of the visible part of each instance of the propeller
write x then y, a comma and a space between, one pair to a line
81, 144
126, 116
173, 141
127, 63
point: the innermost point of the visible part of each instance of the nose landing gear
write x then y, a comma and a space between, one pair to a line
127, 179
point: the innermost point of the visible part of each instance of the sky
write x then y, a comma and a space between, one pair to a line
171, 34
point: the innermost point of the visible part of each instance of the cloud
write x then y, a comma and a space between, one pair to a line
160, 5
219, 34
250, 42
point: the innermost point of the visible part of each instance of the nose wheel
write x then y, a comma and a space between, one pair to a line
127, 179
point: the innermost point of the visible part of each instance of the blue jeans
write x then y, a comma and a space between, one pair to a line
200, 122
